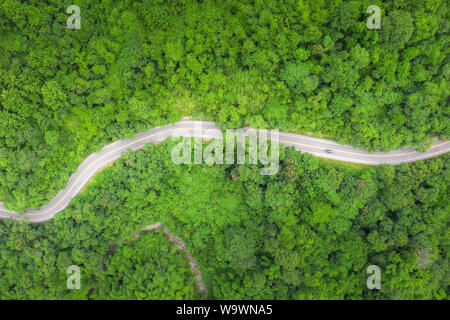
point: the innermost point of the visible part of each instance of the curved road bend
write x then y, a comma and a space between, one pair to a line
208, 130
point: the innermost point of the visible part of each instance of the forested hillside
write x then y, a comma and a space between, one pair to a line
296, 65
34, 262
308, 232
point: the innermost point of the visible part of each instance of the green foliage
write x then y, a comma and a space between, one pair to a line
294, 65
304, 66
308, 232
151, 268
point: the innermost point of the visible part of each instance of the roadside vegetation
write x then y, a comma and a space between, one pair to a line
308, 232
303, 66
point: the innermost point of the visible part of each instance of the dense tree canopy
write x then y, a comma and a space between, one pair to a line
304, 66
308, 232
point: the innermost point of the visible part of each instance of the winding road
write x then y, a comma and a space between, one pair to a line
208, 130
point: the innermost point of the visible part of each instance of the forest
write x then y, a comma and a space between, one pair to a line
308, 232
304, 66
294, 65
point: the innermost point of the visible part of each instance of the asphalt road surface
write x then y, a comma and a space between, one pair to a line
207, 130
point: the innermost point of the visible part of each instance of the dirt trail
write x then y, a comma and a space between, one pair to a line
180, 244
